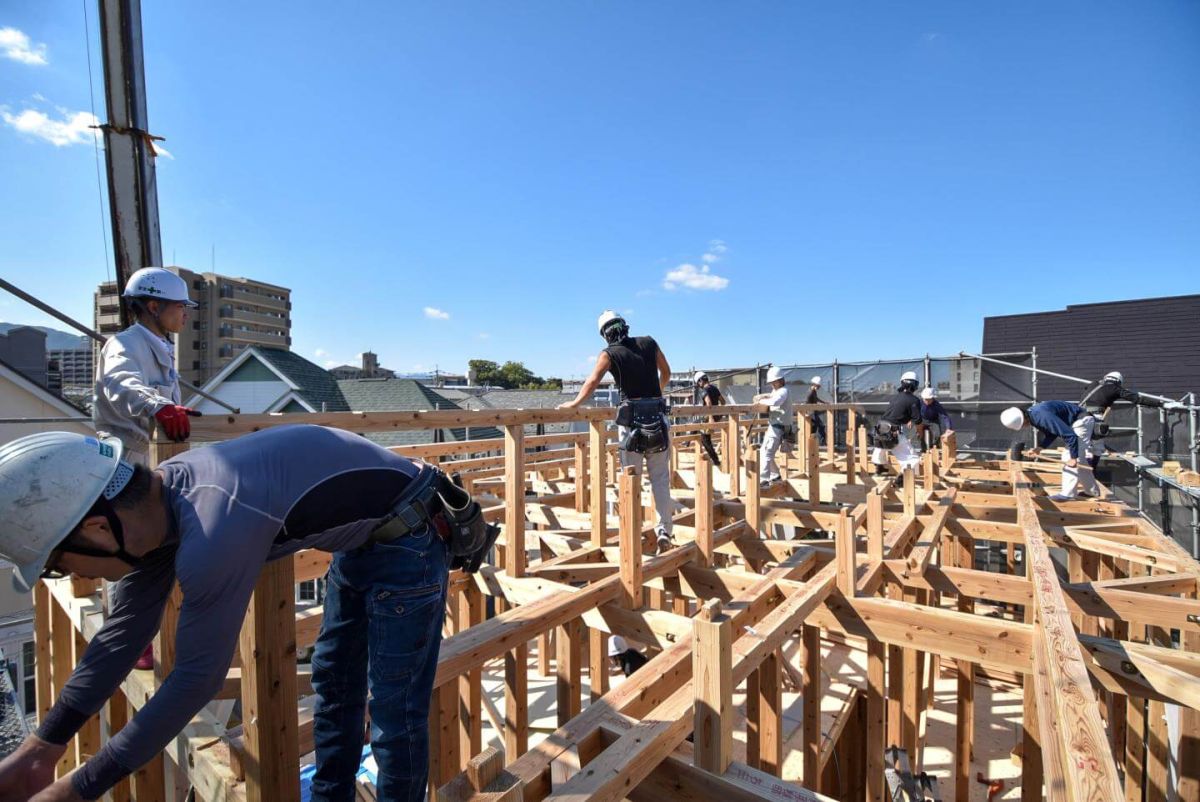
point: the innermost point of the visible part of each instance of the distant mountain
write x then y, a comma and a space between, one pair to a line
55, 340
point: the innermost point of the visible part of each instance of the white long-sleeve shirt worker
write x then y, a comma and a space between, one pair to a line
135, 378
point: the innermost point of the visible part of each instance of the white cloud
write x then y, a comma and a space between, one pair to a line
17, 45
716, 249
320, 353
483, 335
691, 277
72, 129
433, 313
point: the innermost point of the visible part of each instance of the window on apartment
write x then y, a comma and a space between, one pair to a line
28, 677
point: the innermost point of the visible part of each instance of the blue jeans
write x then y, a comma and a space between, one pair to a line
818, 425
382, 628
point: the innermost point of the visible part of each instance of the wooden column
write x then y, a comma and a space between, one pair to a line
830, 435
514, 500
909, 492
445, 760
581, 477
1135, 719
811, 700
753, 492
568, 658
470, 685
876, 724
964, 557
516, 701
851, 466
117, 716
764, 716
598, 508
630, 496
1031, 746
62, 660
87, 741
844, 554
270, 718
929, 478
42, 602
814, 471
712, 678
864, 451
874, 526
733, 455
1189, 732
704, 505
804, 429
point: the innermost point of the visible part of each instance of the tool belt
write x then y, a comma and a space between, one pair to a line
787, 434
440, 501
646, 420
886, 434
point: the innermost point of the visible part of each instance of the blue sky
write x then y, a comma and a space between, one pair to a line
821, 180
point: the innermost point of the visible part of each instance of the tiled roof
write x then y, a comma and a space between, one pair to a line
317, 385
392, 395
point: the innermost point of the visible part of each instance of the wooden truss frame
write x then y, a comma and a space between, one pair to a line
1100, 642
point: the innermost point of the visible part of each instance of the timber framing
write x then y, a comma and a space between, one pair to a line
1095, 618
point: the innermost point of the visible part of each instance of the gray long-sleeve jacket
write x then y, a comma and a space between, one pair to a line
135, 378
234, 506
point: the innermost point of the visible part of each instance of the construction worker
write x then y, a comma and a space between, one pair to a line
1101, 397
136, 380
211, 518
624, 656
641, 372
817, 419
710, 396
780, 432
1071, 422
903, 411
934, 414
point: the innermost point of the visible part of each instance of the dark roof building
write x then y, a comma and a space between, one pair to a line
1154, 342
395, 395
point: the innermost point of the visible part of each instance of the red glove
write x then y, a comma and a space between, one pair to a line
174, 421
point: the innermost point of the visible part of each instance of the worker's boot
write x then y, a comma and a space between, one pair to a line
146, 661
664, 541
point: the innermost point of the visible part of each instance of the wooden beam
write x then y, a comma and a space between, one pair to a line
514, 500
568, 657
704, 505
1090, 771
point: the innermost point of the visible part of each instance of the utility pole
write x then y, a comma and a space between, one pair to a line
128, 145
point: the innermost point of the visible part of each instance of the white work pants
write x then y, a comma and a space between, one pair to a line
903, 451
657, 469
768, 470
1082, 473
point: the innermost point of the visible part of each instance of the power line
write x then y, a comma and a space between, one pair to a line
87, 40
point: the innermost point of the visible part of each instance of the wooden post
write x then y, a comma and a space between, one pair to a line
445, 761
733, 456
1189, 732
630, 496
42, 602
850, 463
929, 478
844, 552
753, 491
62, 660
864, 452
1031, 746
704, 505
909, 492
712, 677
964, 557
269, 714
581, 477
769, 720
117, 716
804, 428
814, 471
516, 701
87, 741
949, 449
597, 483
876, 723
470, 684
568, 659
874, 526
514, 500
811, 699
830, 435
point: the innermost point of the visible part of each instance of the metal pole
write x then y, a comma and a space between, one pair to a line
1141, 475
928, 372
1037, 371
1193, 447
128, 148
1164, 501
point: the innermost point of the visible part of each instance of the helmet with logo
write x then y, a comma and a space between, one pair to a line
613, 327
157, 284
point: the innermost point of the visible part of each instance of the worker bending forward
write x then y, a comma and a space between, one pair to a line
903, 411
1071, 422
211, 518
1101, 397
781, 431
641, 372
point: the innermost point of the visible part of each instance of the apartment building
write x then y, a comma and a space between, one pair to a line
233, 314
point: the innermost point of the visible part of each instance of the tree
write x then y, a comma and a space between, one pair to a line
515, 374
485, 370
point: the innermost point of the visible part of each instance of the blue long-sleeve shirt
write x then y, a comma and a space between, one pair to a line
1053, 419
235, 506
934, 412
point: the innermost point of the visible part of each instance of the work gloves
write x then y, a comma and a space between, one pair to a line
174, 421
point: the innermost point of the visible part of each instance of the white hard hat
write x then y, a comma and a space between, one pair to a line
815, 380
607, 317
909, 376
157, 283
48, 482
1013, 418
617, 646
929, 392
774, 374
699, 375
1114, 376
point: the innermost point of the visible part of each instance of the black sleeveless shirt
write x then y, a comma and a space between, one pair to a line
634, 367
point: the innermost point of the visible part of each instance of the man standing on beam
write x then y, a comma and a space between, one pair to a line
641, 372
1071, 422
903, 410
211, 518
